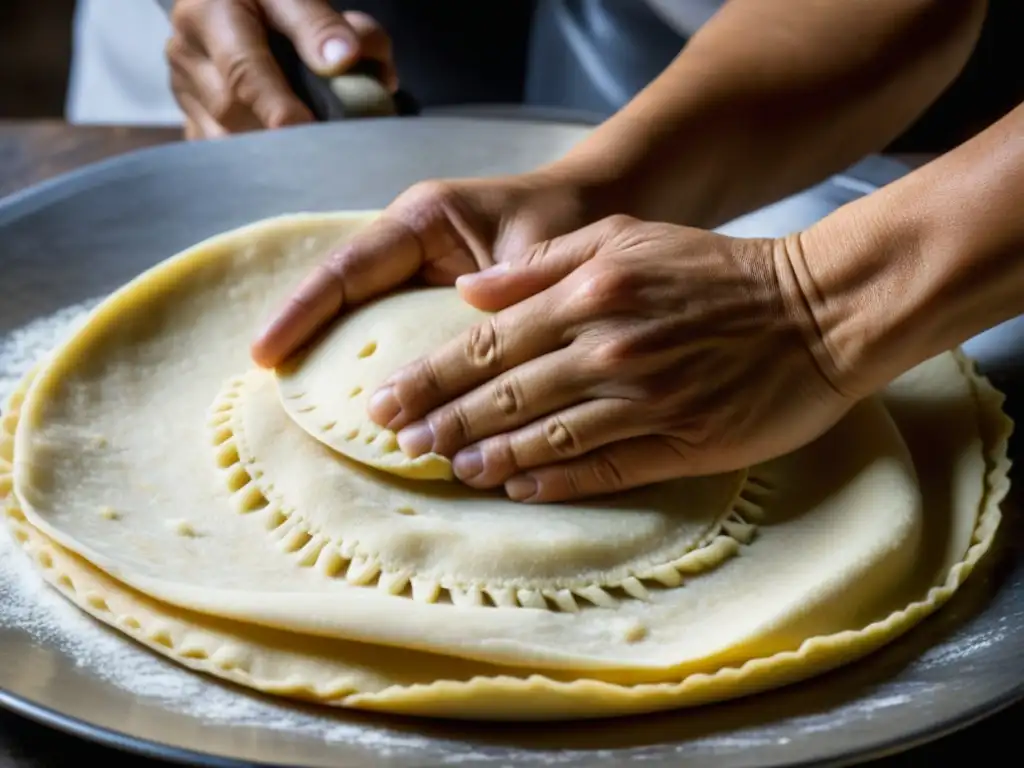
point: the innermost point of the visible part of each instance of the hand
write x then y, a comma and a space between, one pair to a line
628, 353
224, 76
436, 230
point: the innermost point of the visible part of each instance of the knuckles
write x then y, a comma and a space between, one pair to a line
500, 461
431, 195
507, 395
451, 429
483, 344
426, 205
183, 14
606, 473
604, 286
560, 438
177, 51
416, 385
239, 71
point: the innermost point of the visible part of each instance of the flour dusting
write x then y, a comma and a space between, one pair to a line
29, 605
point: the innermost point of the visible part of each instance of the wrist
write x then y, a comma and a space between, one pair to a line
918, 267
855, 280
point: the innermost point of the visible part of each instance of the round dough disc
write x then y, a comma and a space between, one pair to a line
119, 459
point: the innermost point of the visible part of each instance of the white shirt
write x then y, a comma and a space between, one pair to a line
118, 71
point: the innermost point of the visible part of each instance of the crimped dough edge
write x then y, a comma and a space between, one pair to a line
253, 493
535, 697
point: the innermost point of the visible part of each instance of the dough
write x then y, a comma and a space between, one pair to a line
325, 389
371, 677
113, 420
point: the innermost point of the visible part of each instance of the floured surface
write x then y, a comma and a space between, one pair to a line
28, 604
219, 647
754, 610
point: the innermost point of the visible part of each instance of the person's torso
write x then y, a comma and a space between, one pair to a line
447, 52
588, 55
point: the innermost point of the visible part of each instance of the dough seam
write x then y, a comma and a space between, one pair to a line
385, 440
251, 493
462, 699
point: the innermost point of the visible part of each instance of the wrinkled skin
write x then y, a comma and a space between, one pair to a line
435, 232
623, 354
225, 78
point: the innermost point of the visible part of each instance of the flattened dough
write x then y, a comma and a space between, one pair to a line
460, 538
107, 464
375, 678
116, 419
325, 389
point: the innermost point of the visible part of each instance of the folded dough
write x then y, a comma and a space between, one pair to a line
108, 463
325, 388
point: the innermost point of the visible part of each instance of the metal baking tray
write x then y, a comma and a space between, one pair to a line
78, 237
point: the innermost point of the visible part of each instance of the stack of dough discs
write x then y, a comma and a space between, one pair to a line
257, 526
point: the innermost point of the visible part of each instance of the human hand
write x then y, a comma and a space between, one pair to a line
225, 77
436, 230
627, 353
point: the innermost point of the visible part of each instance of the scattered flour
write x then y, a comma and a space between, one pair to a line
28, 604
962, 650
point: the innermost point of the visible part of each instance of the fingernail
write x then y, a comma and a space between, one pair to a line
416, 439
334, 52
521, 488
495, 269
492, 271
468, 464
384, 406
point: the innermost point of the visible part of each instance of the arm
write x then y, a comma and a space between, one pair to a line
920, 266
770, 97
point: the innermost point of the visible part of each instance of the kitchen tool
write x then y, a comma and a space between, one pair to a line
357, 93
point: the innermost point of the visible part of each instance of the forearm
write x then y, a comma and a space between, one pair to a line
923, 264
771, 97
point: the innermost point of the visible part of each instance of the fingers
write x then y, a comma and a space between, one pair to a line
414, 230
209, 107
375, 43
353, 274
324, 39
513, 399
221, 59
235, 39
540, 267
535, 321
198, 122
561, 436
616, 467
505, 340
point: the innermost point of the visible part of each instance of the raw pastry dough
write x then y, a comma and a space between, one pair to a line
370, 677
112, 423
478, 546
325, 389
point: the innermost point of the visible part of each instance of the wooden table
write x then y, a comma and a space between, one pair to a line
33, 151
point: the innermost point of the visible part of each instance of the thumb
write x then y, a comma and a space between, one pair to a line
325, 41
537, 269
